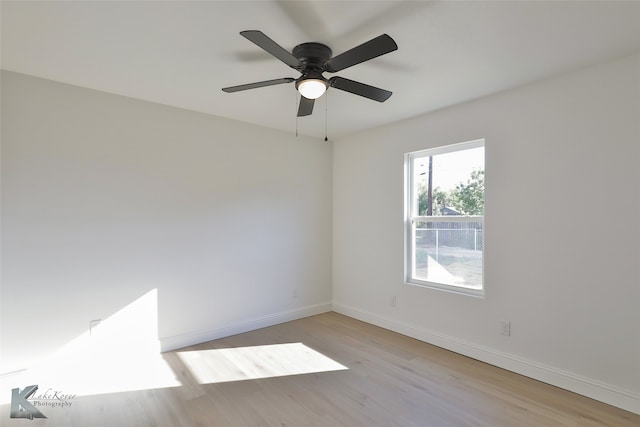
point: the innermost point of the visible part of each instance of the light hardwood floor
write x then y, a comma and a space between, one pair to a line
364, 376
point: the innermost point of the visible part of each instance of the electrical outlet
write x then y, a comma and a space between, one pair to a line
294, 293
505, 328
392, 301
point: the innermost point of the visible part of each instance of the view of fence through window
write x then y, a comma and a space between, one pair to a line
450, 256
446, 208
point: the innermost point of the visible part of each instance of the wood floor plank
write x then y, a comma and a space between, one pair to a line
391, 380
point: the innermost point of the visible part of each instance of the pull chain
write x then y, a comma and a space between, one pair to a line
326, 102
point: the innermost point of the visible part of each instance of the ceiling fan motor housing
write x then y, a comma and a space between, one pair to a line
312, 55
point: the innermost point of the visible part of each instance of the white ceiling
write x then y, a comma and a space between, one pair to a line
182, 53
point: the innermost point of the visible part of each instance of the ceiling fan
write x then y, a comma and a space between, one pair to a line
313, 59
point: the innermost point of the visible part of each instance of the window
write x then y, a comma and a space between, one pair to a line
444, 217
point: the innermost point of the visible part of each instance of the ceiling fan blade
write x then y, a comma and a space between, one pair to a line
258, 84
361, 89
261, 39
364, 52
306, 106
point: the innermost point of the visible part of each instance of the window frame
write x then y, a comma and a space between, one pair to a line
411, 217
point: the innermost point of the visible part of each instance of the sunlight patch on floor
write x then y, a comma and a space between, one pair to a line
264, 361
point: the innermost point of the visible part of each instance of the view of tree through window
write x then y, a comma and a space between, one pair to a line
445, 235
466, 198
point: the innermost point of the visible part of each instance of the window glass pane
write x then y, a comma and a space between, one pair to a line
449, 183
449, 253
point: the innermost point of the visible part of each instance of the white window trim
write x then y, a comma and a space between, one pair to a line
410, 219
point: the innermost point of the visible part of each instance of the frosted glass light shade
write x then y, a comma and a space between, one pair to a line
312, 88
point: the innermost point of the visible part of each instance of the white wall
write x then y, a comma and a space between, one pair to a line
562, 245
105, 198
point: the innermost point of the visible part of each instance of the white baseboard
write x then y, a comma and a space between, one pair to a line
597, 390
246, 325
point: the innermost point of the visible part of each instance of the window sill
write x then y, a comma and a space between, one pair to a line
459, 290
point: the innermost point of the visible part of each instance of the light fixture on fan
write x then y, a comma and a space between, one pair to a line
312, 85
